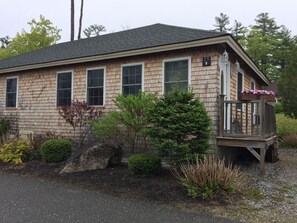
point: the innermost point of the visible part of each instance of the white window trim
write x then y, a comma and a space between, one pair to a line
104, 86
252, 80
173, 60
72, 78
17, 92
142, 74
242, 72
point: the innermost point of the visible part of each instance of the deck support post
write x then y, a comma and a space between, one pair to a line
262, 160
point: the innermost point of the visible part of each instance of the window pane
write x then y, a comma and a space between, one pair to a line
11, 100
95, 87
11, 92
64, 89
176, 74
176, 71
132, 79
239, 88
95, 78
133, 90
64, 80
11, 85
182, 85
95, 96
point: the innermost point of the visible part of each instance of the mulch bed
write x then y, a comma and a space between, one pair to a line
162, 188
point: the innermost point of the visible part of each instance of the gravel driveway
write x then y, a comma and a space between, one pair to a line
272, 198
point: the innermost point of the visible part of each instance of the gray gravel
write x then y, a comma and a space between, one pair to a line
277, 201
30, 200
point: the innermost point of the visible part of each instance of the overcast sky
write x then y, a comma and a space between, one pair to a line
114, 14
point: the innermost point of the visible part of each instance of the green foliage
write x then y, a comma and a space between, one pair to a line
35, 142
208, 176
129, 122
144, 164
285, 125
4, 129
221, 23
42, 34
239, 31
278, 108
267, 43
180, 126
15, 152
287, 86
55, 150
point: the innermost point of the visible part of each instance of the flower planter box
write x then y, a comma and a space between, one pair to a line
252, 97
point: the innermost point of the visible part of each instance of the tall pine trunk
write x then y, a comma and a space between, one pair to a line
80, 19
72, 21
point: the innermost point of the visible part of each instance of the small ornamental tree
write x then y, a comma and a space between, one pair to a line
79, 115
180, 126
128, 124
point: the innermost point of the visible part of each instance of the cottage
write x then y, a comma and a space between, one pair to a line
152, 58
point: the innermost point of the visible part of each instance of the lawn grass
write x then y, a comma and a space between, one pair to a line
286, 129
285, 124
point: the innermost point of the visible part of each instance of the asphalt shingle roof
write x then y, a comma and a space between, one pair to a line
139, 38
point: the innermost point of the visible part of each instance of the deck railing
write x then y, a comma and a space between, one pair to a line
247, 118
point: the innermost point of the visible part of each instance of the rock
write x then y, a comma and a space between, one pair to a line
93, 158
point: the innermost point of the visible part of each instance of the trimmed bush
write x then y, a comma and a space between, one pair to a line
15, 152
180, 126
55, 150
144, 164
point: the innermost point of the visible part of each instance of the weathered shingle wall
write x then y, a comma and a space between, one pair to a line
37, 111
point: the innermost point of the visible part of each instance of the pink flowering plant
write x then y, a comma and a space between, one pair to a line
257, 92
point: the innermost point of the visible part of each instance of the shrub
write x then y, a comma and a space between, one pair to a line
129, 122
144, 164
55, 150
15, 152
4, 129
36, 141
208, 176
289, 140
180, 126
278, 108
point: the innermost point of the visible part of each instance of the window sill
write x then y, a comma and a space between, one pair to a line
11, 108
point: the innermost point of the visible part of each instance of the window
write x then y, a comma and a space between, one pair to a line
132, 79
176, 73
11, 92
222, 83
95, 86
253, 85
239, 88
64, 88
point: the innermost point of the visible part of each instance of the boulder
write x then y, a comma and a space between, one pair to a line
93, 158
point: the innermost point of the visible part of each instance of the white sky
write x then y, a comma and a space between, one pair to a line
113, 14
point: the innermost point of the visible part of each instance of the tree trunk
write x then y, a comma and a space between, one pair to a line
72, 21
80, 18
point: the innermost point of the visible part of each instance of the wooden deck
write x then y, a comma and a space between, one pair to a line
250, 125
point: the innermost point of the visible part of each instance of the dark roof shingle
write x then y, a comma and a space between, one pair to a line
139, 38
